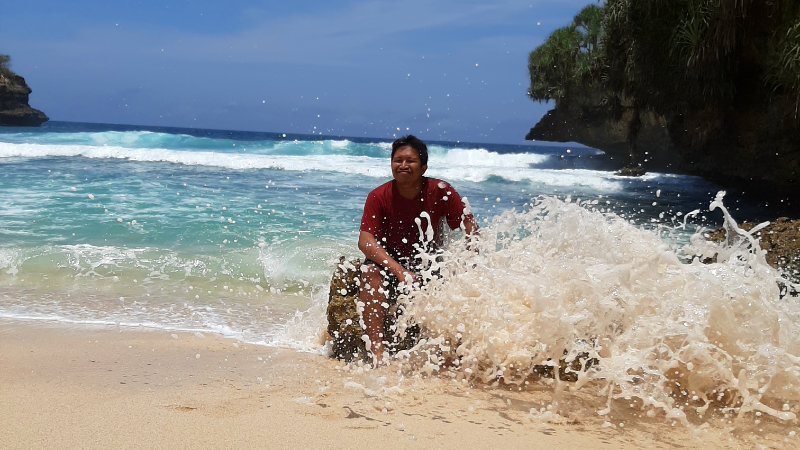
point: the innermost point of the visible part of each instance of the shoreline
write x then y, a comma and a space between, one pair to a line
104, 386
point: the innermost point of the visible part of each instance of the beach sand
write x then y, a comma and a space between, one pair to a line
102, 386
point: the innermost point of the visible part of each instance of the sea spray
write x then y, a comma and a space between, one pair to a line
561, 280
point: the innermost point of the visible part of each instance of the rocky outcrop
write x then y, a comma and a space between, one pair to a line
750, 147
345, 330
585, 116
14, 108
344, 320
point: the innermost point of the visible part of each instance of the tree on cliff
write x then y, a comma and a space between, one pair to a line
724, 75
567, 58
688, 55
4, 63
665, 53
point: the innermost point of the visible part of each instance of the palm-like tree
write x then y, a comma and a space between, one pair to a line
719, 58
701, 52
567, 57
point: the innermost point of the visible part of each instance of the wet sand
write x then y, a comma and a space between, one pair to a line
103, 386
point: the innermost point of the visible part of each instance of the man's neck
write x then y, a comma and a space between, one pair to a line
409, 190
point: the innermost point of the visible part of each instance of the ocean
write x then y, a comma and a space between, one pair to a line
237, 233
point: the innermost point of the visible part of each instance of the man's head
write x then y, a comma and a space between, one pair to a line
413, 142
409, 161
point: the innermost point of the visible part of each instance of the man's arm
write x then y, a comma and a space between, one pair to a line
471, 231
376, 253
470, 226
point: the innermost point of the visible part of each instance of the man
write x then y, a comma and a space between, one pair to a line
401, 219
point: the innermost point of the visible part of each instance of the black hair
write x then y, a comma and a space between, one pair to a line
415, 143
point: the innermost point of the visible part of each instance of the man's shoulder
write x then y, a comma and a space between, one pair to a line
384, 187
381, 191
435, 184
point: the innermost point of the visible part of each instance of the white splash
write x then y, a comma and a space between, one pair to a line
678, 336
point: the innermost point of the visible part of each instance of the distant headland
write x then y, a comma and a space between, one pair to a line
14, 92
711, 91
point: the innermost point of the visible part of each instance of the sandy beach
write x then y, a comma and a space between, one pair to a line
102, 387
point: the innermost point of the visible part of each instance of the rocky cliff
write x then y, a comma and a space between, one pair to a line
752, 149
14, 108
586, 117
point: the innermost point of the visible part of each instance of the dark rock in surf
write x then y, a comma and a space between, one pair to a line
781, 240
344, 318
344, 325
631, 171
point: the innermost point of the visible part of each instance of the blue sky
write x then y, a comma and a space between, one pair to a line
441, 69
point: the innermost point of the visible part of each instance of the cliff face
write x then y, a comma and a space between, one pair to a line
748, 146
14, 108
585, 117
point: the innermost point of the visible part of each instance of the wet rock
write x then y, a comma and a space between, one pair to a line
567, 370
634, 170
344, 318
344, 325
781, 240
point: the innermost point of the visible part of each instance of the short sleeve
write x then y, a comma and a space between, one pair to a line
454, 205
370, 220
455, 213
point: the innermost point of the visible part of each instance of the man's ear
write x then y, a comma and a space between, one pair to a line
424, 168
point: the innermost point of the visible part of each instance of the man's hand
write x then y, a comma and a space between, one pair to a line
408, 277
376, 253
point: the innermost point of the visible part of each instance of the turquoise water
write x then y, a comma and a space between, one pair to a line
237, 232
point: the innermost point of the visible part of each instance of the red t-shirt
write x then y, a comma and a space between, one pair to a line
391, 218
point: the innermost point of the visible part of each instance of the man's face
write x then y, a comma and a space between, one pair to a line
406, 165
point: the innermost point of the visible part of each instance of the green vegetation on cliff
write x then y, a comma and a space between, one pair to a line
686, 55
570, 56
5, 60
720, 78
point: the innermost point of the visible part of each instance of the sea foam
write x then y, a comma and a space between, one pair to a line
560, 279
472, 165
